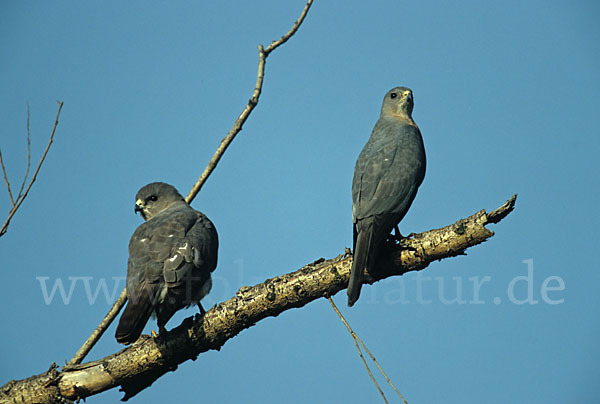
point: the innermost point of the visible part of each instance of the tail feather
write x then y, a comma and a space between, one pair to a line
134, 319
360, 262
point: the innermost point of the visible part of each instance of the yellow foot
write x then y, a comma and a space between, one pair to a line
154, 334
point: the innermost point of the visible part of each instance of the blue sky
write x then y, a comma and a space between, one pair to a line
505, 95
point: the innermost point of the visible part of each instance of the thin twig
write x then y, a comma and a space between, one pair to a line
380, 369
291, 32
28, 157
87, 346
37, 170
12, 201
237, 126
212, 164
354, 337
369, 370
357, 338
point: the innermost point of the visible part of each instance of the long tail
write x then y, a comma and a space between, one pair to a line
134, 319
360, 261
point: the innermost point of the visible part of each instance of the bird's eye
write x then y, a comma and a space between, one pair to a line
393, 95
153, 198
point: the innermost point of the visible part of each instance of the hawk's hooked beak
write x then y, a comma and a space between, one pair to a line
139, 206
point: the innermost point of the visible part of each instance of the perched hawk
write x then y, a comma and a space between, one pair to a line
388, 172
171, 257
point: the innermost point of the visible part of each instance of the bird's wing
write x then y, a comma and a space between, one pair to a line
144, 285
144, 272
387, 172
204, 241
192, 256
158, 251
192, 247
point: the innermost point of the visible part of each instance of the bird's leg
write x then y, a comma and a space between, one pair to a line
202, 311
161, 331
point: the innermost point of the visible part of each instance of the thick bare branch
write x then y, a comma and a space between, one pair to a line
138, 366
21, 198
212, 164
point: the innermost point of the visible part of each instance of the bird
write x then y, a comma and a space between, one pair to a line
388, 172
171, 258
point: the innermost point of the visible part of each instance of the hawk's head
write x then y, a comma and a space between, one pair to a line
398, 102
153, 198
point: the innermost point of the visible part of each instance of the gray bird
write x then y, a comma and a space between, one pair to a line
171, 257
388, 172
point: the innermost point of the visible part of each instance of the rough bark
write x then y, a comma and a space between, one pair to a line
138, 366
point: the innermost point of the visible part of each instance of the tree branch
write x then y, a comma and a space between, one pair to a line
237, 126
12, 200
212, 164
138, 366
103, 326
28, 155
356, 341
21, 198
